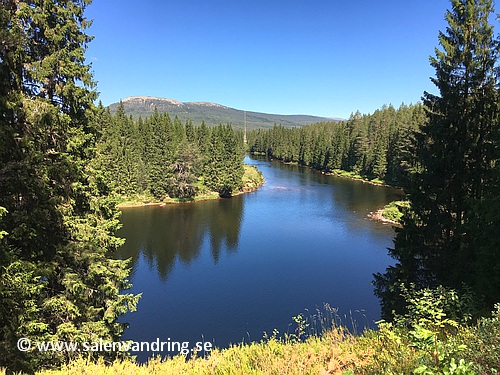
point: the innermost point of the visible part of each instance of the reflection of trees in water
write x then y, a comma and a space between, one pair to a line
360, 197
163, 234
348, 194
225, 224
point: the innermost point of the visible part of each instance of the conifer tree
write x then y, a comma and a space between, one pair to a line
159, 153
455, 154
224, 166
57, 281
186, 165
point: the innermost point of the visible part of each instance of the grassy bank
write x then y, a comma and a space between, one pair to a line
390, 350
252, 179
391, 213
355, 176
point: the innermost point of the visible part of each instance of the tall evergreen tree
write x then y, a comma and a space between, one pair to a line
57, 281
186, 164
456, 155
224, 166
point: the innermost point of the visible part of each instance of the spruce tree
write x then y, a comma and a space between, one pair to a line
57, 280
224, 165
455, 154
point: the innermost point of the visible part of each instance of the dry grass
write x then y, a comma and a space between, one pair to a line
336, 351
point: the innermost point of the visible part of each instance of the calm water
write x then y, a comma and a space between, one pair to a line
226, 271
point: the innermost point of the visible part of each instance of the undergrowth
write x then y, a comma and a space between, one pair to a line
434, 337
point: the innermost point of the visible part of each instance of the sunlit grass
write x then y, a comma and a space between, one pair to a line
323, 350
252, 178
394, 210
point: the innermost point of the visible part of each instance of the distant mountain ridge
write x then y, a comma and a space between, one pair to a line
211, 113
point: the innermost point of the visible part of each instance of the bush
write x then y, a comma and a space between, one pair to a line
394, 210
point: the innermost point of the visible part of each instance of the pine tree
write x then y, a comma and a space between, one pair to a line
184, 171
159, 154
455, 153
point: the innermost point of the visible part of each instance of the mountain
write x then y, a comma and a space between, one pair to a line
211, 113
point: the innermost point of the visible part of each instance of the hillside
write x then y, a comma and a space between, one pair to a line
211, 113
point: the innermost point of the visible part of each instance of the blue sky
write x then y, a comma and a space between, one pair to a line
318, 57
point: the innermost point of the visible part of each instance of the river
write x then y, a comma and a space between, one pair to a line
226, 271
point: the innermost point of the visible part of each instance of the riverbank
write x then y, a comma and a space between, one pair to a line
252, 179
338, 173
378, 216
391, 213
357, 177
468, 350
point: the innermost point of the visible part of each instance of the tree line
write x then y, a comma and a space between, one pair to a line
378, 145
62, 158
161, 157
451, 235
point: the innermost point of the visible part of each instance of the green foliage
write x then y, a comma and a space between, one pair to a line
433, 316
160, 158
184, 171
394, 210
224, 168
3, 211
461, 368
302, 327
431, 336
393, 349
377, 146
57, 279
483, 343
450, 234
252, 178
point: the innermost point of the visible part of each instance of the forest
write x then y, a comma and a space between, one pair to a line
158, 157
376, 146
64, 161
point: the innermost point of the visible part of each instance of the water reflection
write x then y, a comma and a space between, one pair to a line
243, 266
164, 234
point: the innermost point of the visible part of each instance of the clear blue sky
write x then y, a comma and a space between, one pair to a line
318, 57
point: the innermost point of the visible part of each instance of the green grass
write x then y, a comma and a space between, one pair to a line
394, 210
389, 350
378, 181
356, 176
136, 200
342, 173
252, 178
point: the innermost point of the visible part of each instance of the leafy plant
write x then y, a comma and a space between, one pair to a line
434, 314
394, 210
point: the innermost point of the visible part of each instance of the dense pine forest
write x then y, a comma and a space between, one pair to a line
160, 157
64, 161
57, 278
377, 146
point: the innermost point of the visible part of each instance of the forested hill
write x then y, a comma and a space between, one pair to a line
211, 113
